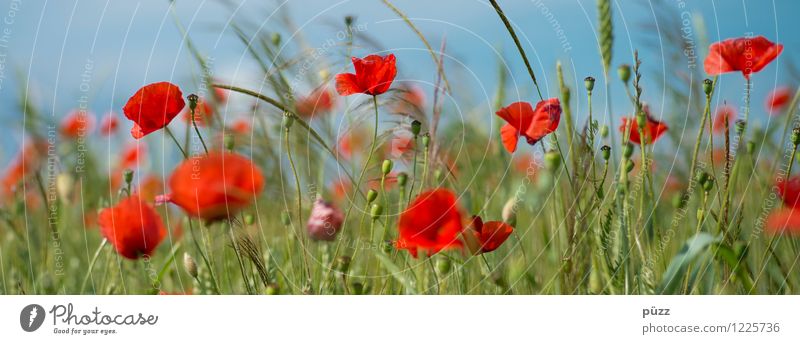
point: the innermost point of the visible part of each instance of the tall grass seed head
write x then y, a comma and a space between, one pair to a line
190, 265
509, 213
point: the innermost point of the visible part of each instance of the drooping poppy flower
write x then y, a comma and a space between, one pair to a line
215, 186
325, 221
486, 237
431, 223
532, 124
784, 221
745, 54
76, 124
789, 190
374, 75
152, 107
652, 129
778, 99
203, 114
109, 124
319, 102
133, 227
719, 119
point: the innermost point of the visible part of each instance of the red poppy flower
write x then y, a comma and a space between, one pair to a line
109, 124
77, 123
351, 142
533, 124
152, 107
26, 163
374, 74
133, 227
215, 186
325, 221
486, 237
203, 114
784, 221
778, 99
746, 55
241, 126
401, 145
432, 222
319, 102
789, 190
719, 119
652, 129
132, 155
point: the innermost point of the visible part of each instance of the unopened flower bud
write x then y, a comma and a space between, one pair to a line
641, 120
552, 160
376, 211
604, 131
443, 265
606, 151
387, 167
627, 150
276, 39
416, 127
708, 184
348, 20
426, 140
127, 175
272, 289
288, 120
624, 72
796, 136
371, 195
402, 178
190, 265
437, 175
589, 82
628, 165
249, 219
702, 177
325, 221
708, 86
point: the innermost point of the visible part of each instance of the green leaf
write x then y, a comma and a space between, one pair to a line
689, 253
395, 272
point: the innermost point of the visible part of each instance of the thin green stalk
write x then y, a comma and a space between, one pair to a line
183, 152
299, 200
91, 264
513, 34
197, 131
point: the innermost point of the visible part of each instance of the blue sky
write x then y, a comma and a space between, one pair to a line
64, 49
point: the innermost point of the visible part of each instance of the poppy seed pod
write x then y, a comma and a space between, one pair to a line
192, 101
627, 150
190, 265
552, 160
325, 221
426, 140
416, 127
372, 195
709, 184
276, 39
348, 20
127, 175
288, 120
606, 150
629, 165
589, 82
708, 86
387, 167
702, 177
624, 72
443, 265
402, 178
796, 136
376, 211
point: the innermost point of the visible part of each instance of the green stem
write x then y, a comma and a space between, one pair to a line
197, 131
510, 30
183, 152
91, 264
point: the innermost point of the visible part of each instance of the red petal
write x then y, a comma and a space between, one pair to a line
494, 234
509, 135
519, 115
346, 84
784, 221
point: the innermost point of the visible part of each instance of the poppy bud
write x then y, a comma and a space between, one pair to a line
552, 160
371, 195
702, 177
348, 20
249, 219
276, 39
387, 167
628, 165
624, 72
708, 184
272, 289
288, 120
678, 200
740, 124
325, 221
589, 82
641, 120
192, 101
509, 213
127, 176
796, 136
190, 265
627, 150
376, 211
708, 86
604, 131
402, 178
750, 147
416, 127
443, 265
606, 150
342, 263
426, 140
